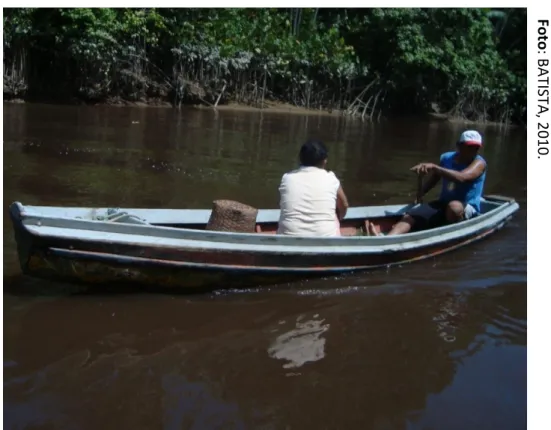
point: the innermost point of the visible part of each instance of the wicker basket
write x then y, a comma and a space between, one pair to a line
229, 215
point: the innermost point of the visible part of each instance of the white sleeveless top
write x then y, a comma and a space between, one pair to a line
308, 200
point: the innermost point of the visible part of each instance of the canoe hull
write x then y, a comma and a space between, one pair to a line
116, 272
112, 265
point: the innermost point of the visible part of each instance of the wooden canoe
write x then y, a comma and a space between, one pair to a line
171, 248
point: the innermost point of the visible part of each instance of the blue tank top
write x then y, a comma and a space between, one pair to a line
467, 192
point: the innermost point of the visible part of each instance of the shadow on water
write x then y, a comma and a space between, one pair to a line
436, 344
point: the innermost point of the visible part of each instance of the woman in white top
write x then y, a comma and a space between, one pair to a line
312, 200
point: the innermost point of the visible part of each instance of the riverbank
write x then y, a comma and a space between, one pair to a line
273, 107
269, 107
460, 120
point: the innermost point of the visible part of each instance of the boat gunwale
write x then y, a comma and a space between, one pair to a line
223, 241
203, 214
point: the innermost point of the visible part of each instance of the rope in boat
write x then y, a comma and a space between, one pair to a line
116, 215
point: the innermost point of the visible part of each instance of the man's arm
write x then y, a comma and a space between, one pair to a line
475, 169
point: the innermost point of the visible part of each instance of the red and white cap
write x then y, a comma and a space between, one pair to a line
470, 138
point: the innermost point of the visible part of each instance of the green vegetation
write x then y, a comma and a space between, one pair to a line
468, 63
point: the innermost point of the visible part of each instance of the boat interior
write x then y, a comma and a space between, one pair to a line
348, 226
356, 224
351, 226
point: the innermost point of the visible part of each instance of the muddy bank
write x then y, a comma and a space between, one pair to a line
460, 120
273, 107
268, 107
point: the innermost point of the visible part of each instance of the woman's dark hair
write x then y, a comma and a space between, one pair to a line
313, 153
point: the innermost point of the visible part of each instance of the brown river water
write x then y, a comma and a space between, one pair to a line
438, 344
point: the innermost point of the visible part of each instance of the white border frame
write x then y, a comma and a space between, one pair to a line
539, 375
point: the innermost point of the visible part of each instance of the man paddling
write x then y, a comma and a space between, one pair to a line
463, 173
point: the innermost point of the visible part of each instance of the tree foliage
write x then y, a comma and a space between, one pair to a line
464, 62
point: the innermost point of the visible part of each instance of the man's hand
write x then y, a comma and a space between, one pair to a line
424, 168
